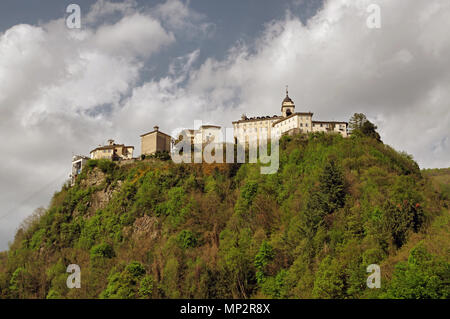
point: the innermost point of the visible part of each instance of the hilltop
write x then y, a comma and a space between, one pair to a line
155, 229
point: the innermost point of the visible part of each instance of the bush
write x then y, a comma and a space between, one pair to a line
186, 239
135, 269
125, 284
103, 250
423, 276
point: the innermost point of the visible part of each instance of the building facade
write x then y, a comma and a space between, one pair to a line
155, 141
78, 163
207, 133
289, 122
112, 151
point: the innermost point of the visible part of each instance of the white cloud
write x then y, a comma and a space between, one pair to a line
135, 35
176, 15
104, 8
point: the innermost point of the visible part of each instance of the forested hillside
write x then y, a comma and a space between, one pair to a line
155, 229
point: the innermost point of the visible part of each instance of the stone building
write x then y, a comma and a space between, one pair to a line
289, 122
331, 126
155, 141
112, 151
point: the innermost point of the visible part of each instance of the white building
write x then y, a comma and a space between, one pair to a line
78, 163
289, 122
208, 133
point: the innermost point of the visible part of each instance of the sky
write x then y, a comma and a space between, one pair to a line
136, 64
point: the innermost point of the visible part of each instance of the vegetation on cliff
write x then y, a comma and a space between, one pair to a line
155, 229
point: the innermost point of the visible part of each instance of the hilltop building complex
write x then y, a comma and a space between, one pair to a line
258, 128
289, 122
112, 151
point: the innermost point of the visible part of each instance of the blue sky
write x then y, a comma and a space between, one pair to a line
136, 64
232, 20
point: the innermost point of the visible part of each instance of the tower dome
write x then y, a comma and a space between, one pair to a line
287, 99
287, 106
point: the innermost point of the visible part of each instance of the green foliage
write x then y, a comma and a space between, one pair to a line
20, 282
275, 287
356, 121
248, 192
103, 250
361, 126
331, 192
106, 166
335, 206
126, 284
57, 276
264, 256
329, 281
37, 239
146, 287
423, 276
187, 239
176, 206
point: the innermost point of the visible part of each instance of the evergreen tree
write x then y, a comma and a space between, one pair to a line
357, 121
361, 126
332, 187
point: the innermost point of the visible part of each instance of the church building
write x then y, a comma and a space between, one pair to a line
289, 122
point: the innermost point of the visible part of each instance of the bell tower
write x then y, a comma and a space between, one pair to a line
287, 106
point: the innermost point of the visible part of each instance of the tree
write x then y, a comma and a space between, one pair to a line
146, 287
102, 250
357, 121
125, 284
369, 129
264, 256
361, 126
332, 186
423, 276
329, 282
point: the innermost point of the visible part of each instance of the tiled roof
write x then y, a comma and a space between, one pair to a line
107, 147
259, 118
154, 132
293, 114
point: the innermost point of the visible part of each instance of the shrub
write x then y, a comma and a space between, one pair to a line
186, 239
103, 250
423, 276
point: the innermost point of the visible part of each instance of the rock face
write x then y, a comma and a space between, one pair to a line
145, 226
95, 178
100, 198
